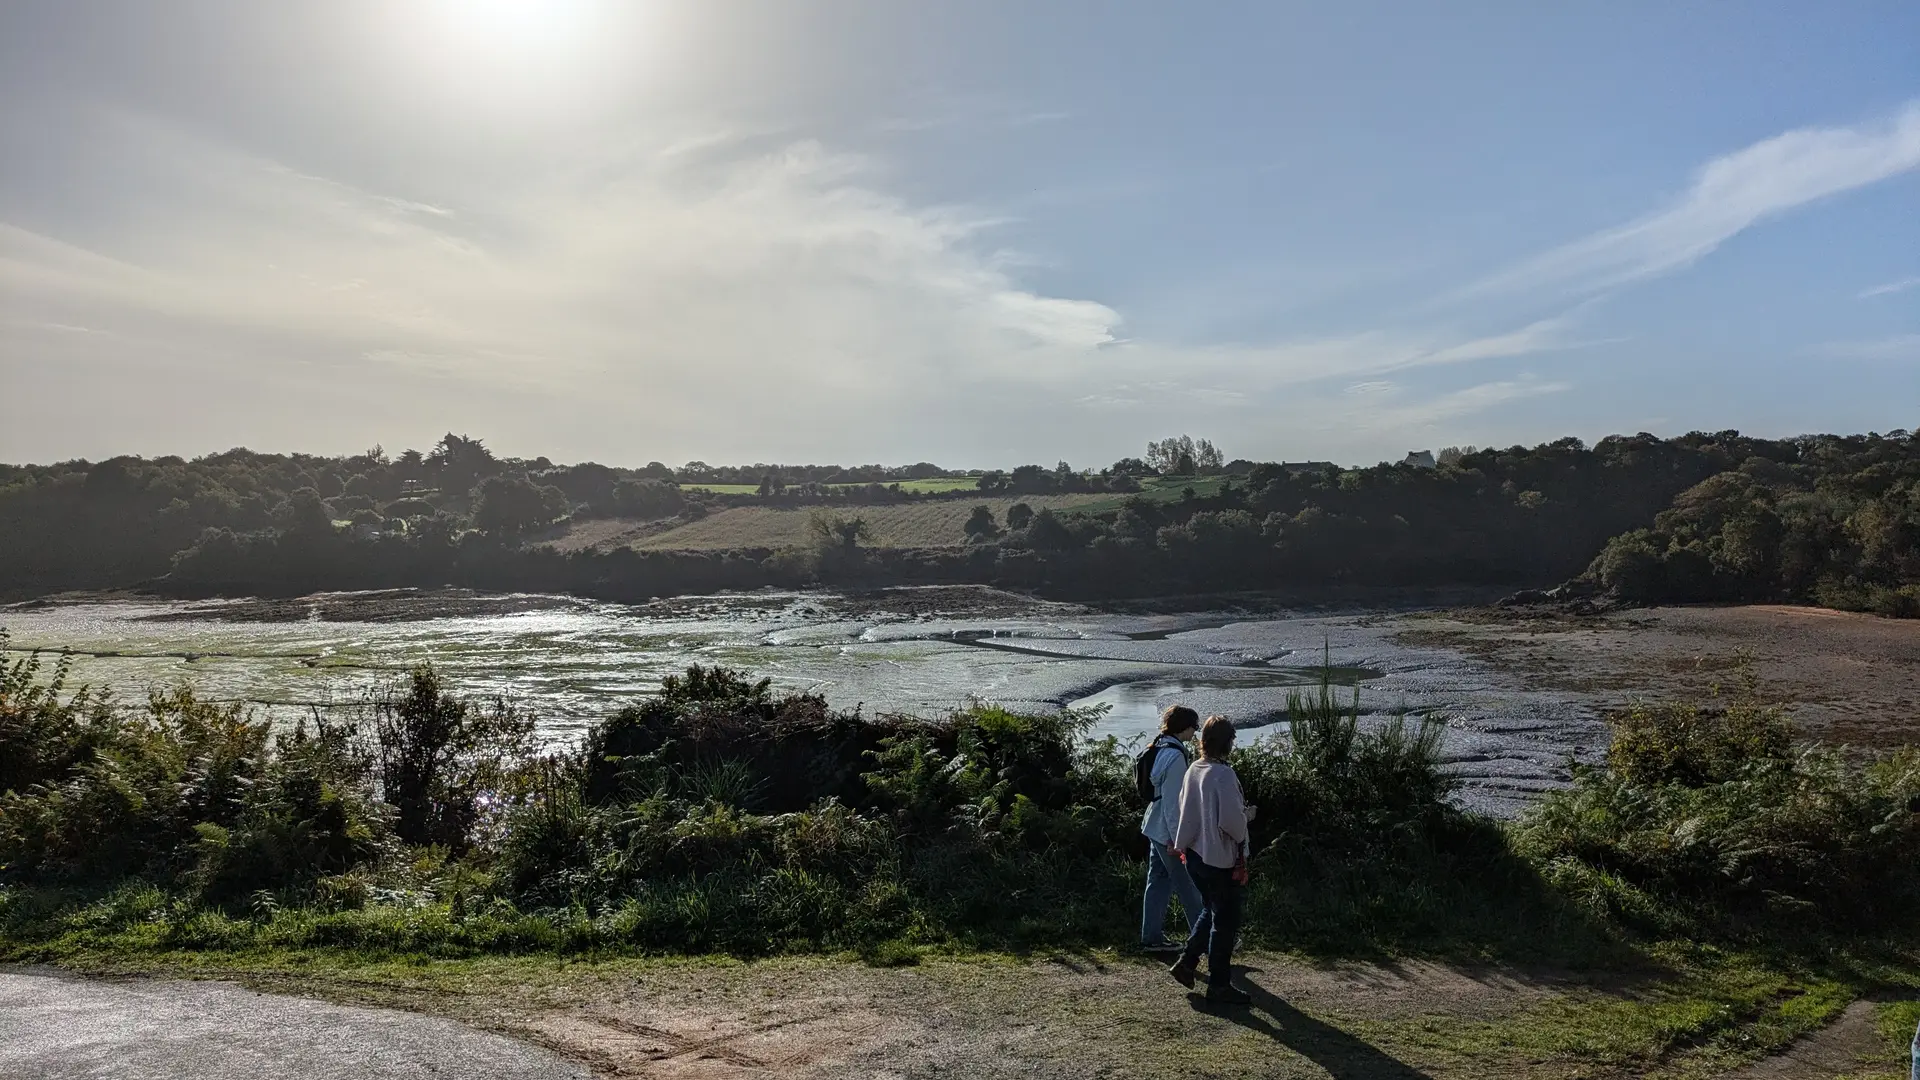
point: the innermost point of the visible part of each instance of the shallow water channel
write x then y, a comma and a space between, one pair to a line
570, 662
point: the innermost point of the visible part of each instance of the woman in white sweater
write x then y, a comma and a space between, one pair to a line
1212, 837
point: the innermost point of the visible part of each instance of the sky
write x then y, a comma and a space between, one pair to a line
977, 232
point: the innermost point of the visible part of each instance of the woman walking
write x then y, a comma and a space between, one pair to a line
1166, 874
1212, 835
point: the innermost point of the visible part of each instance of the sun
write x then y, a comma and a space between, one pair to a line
517, 62
517, 26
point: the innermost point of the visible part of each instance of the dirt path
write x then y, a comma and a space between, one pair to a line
1063, 1018
1848, 1047
55, 1027
818, 1018
1007, 1020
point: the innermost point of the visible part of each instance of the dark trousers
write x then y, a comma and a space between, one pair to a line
1215, 931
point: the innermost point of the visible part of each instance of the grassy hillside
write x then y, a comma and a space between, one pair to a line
927, 524
944, 484
1163, 490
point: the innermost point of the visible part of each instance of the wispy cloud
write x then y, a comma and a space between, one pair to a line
1890, 287
1374, 352
1541, 336
1727, 196
968, 111
1897, 347
1041, 116
1420, 415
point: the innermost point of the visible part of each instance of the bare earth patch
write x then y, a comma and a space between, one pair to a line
1845, 677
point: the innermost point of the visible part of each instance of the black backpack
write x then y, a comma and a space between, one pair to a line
1143, 766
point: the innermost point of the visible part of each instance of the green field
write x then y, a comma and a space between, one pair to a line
933, 524
1162, 489
1159, 489
724, 489
960, 483
920, 524
957, 483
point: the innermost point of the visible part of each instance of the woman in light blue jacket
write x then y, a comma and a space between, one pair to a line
1166, 874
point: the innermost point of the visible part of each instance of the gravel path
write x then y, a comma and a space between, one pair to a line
54, 1027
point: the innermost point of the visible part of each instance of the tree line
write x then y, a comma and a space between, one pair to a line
1704, 516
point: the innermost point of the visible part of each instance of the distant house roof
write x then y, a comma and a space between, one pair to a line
1420, 459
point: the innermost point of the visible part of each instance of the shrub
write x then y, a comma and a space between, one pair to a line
41, 737
1342, 788
185, 793
1709, 822
720, 815
550, 833
439, 754
789, 751
308, 816
1682, 743
129, 805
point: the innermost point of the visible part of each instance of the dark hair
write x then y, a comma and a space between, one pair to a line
1178, 718
1217, 737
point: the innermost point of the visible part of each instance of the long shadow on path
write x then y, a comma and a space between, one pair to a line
1342, 1055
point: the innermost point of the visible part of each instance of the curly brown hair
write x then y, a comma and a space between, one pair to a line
1176, 719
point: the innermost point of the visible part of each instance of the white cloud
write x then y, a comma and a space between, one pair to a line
1728, 195
750, 303
748, 291
1890, 287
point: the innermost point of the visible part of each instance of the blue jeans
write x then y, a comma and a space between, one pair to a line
1166, 875
1218, 926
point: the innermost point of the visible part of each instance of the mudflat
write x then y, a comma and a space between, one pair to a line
1844, 677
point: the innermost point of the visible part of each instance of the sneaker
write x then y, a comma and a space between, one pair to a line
1183, 974
1164, 945
1228, 995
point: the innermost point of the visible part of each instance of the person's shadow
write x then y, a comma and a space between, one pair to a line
1342, 1055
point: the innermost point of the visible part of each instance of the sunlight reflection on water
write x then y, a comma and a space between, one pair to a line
574, 663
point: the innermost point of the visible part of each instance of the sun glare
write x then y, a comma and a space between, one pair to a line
517, 24
533, 59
